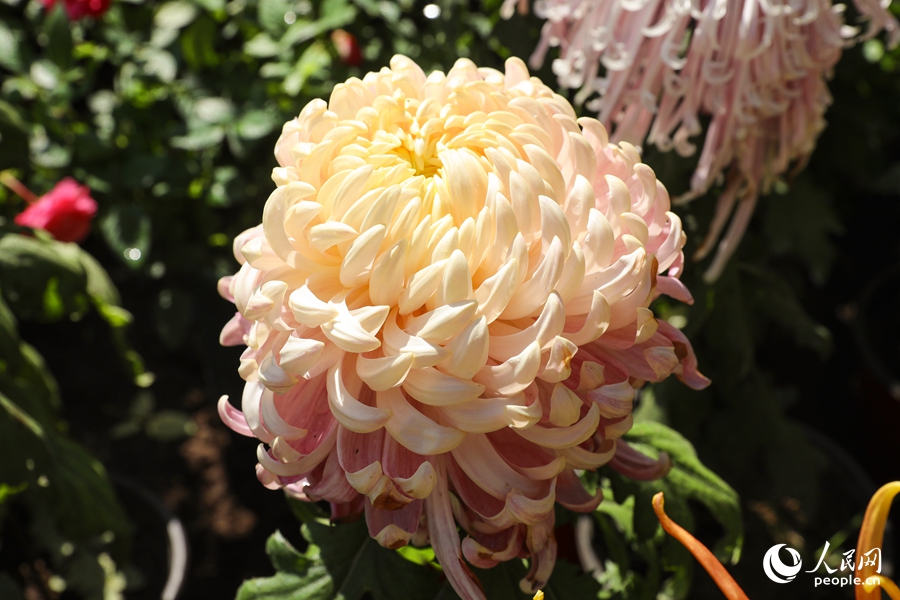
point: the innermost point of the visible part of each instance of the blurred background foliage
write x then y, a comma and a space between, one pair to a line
169, 111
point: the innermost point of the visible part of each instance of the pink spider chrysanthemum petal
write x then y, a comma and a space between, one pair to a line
652, 70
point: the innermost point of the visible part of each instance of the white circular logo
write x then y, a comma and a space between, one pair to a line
776, 570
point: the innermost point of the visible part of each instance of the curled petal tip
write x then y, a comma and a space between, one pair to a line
706, 558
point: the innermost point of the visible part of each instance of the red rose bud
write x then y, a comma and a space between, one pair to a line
347, 47
77, 9
65, 211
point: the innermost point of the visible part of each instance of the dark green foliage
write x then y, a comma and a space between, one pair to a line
340, 562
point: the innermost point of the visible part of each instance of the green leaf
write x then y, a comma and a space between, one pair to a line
257, 123
262, 46
567, 582
688, 479
175, 15
337, 13
42, 278
341, 562
305, 511
198, 44
212, 5
127, 231
313, 61
10, 114
170, 426
59, 37
199, 139
160, 63
271, 14
99, 286
213, 110
357, 564
17, 414
9, 49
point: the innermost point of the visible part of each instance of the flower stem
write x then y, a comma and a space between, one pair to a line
7, 179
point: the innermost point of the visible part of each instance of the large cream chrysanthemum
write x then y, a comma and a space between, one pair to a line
445, 310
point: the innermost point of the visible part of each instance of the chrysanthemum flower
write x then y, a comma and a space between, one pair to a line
445, 310
756, 69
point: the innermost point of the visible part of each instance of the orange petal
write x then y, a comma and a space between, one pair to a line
706, 558
871, 535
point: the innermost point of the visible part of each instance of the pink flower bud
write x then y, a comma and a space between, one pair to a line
65, 211
77, 9
347, 47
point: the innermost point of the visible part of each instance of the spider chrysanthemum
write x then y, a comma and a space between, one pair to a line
757, 70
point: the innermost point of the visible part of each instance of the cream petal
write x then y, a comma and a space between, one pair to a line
591, 375
308, 309
646, 325
420, 287
443, 323
432, 387
480, 461
298, 354
565, 406
357, 263
297, 218
273, 376
532, 294
275, 423
412, 429
636, 227
250, 406
547, 326
514, 375
388, 274
274, 217
468, 352
456, 284
396, 341
579, 203
579, 458
548, 169
554, 224
494, 293
595, 324
384, 373
564, 437
268, 298
556, 367
483, 415
599, 242
331, 233
420, 483
371, 318
348, 335
531, 511
352, 414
